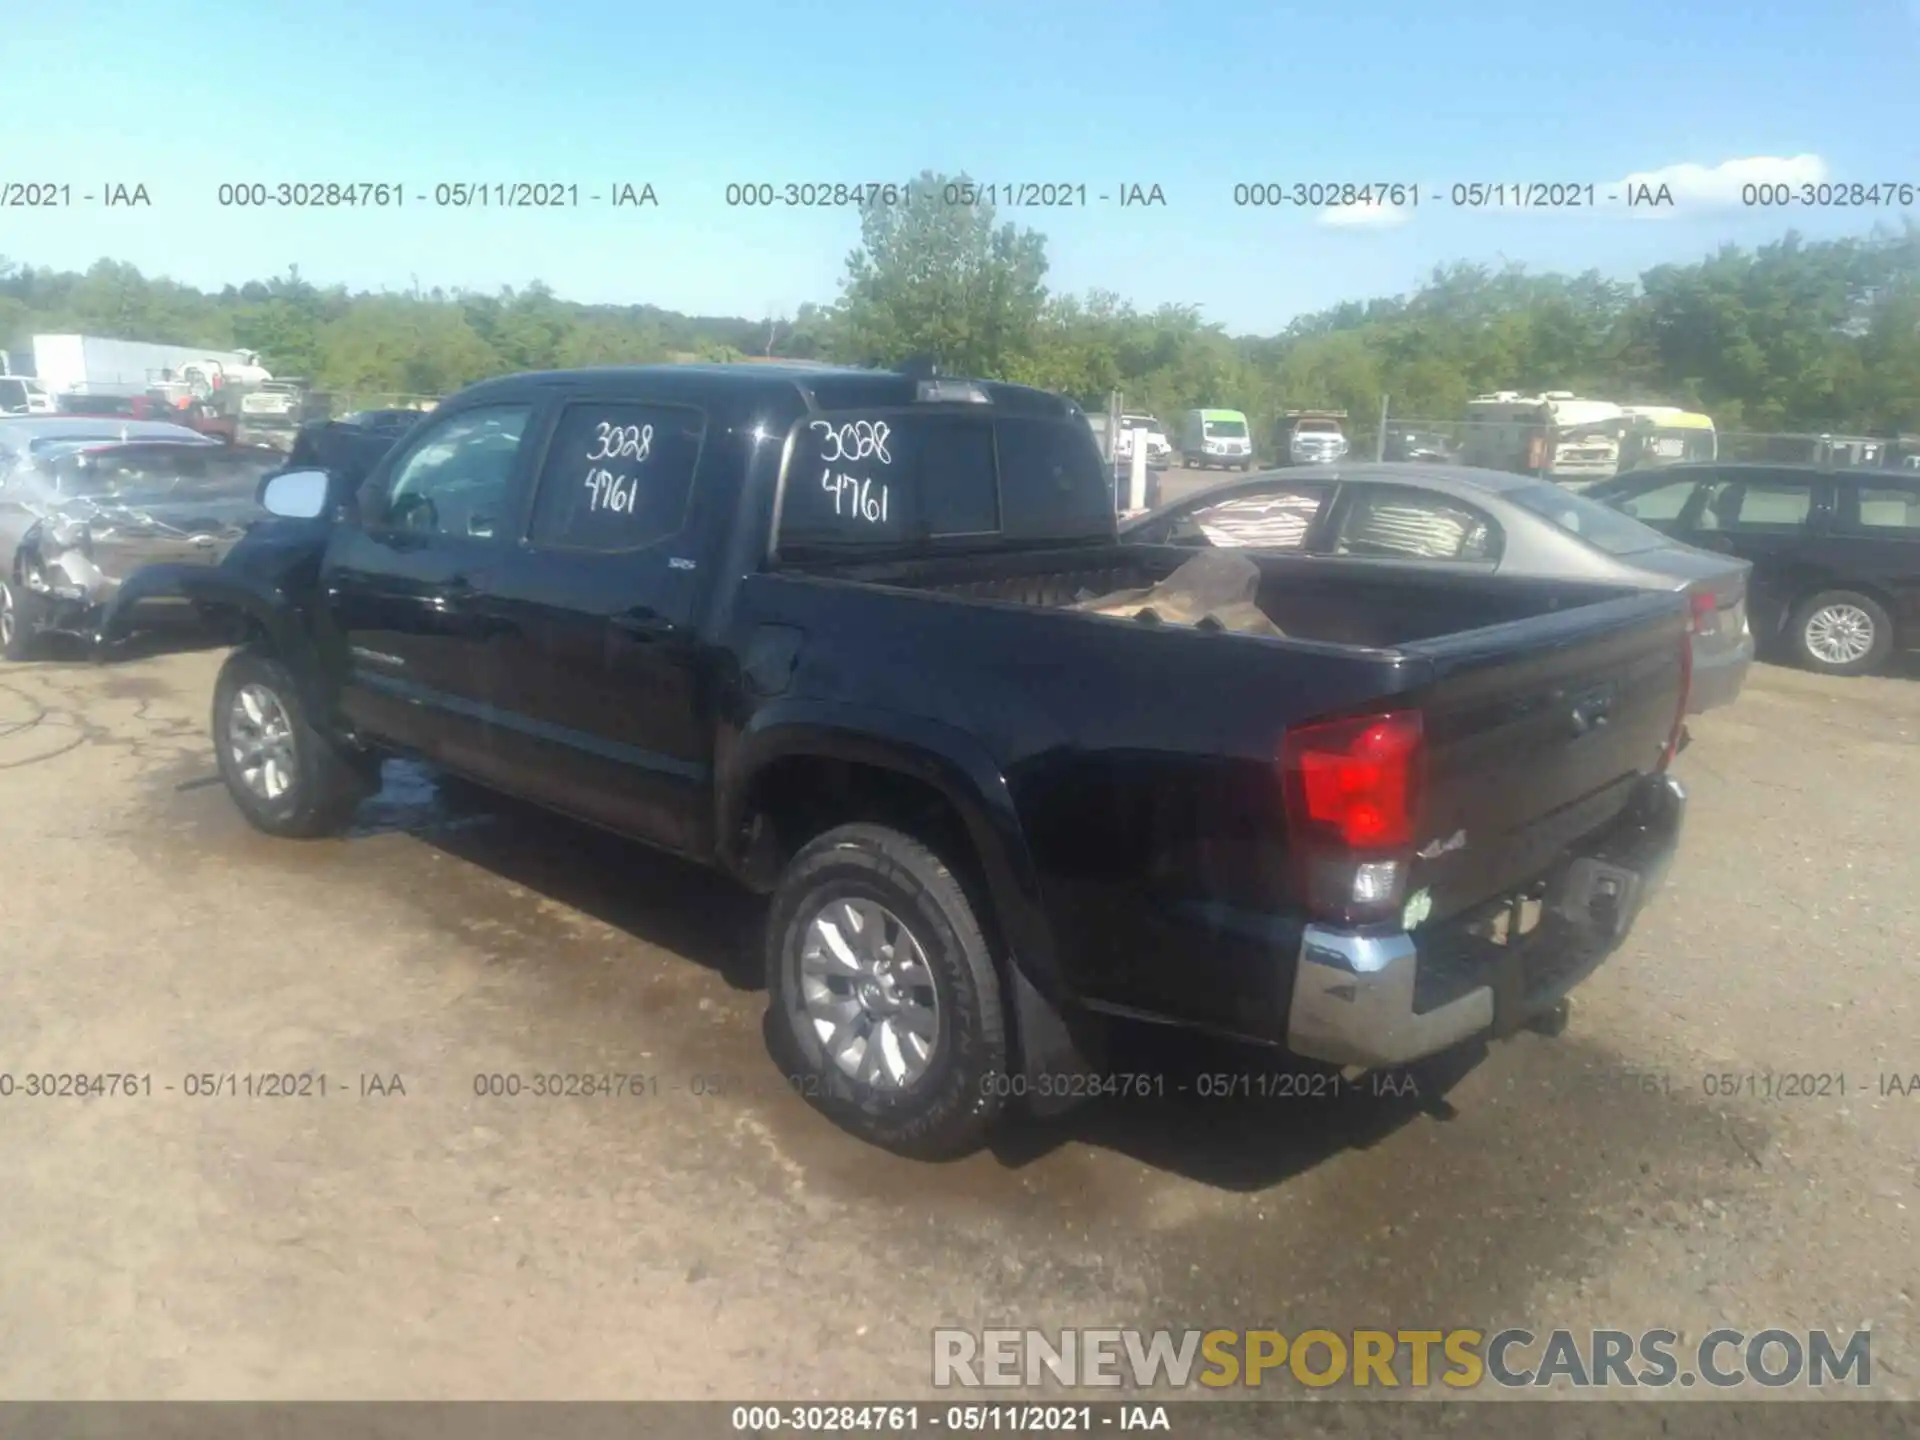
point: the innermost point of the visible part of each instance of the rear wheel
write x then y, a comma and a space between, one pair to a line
287, 778
1841, 632
886, 1010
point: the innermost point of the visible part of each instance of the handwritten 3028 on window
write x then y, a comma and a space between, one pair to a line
616, 490
856, 443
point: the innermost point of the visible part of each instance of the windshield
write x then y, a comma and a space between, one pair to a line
1227, 429
1604, 529
1318, 427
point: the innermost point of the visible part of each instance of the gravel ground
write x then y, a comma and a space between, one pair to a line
718, 1239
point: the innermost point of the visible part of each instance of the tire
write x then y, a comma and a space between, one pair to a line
950, 1106
319, 785
1841, 632
1246, 465
19, 623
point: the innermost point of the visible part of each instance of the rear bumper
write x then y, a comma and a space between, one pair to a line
1718, 677
1375, 999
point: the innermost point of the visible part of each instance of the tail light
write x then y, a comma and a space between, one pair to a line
1677, 739
1353, 789
1706, 614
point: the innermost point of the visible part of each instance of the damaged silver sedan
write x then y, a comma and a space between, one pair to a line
86, 502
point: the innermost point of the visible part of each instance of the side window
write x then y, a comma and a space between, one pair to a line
13, 397
1758, 504
1890, 511
453, 480
616, 476
1390, 522
1662, 503
1271, 520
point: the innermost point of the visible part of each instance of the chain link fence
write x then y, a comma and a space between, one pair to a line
335, 404
1583, 454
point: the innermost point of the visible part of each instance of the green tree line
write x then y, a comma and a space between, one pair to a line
1793, 335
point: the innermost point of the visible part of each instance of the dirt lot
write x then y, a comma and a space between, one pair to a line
717, 1238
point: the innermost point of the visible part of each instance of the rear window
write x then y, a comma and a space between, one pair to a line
1606, 530
904, 477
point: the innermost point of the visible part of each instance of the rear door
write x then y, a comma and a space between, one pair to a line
600, 702
1877, 519
1657, 501
405, 578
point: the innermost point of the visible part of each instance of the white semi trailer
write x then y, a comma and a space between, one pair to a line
96, 365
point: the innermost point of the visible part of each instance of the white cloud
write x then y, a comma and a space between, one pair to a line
1691, 189
1371, 215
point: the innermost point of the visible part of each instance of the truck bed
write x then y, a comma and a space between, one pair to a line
1141, 758
1382, 608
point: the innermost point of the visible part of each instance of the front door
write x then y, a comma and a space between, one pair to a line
406, 585
1767, 517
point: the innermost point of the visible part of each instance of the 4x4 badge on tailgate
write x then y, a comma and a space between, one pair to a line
1434, 849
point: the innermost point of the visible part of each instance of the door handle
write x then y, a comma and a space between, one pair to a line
642, 625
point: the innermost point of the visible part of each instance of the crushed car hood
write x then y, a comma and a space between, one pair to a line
118, 533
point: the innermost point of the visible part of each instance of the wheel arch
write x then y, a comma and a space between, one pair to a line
801, 767
1813, 589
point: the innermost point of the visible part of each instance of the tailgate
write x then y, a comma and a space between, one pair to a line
1538, 732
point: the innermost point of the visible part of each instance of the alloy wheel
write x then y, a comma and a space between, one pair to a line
260, 740
866, 993
1839, 634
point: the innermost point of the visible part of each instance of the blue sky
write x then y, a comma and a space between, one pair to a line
1194, 97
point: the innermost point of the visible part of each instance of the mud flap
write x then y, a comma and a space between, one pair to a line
1050, 1050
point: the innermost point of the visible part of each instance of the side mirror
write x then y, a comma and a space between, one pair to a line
296, 494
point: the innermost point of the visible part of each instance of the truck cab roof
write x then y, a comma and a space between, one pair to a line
818, 387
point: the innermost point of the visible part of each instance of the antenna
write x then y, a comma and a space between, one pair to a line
920, 367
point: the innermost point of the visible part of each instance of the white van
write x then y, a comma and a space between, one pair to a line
1216, 437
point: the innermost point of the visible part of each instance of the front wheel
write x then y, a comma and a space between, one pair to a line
287, 778
1841, 632
886, 1009
19, 623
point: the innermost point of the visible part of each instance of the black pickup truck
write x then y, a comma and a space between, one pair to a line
868, 642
